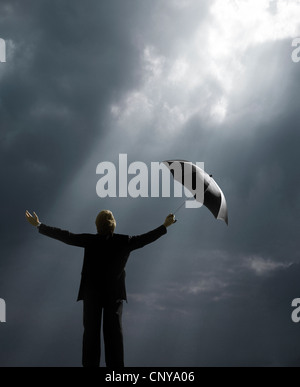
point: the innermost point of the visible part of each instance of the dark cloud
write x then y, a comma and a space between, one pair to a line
85, 82
65, 66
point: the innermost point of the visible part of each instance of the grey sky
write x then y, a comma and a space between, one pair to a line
207, 81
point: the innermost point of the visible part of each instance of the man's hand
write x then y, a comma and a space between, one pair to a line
33, 220
170, 219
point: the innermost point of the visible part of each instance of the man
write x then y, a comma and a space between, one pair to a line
102, 286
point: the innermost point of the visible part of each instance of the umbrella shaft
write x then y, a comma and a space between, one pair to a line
179, 208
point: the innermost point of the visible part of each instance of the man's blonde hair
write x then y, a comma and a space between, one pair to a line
105, 223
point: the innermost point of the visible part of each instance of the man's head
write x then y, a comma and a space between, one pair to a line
105, 223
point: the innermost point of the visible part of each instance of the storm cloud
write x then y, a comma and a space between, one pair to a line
207, 81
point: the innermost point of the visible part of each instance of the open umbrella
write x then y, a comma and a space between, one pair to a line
213, 197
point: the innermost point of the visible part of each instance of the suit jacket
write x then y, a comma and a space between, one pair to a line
105, 257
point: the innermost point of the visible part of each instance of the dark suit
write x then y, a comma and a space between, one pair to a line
102, 287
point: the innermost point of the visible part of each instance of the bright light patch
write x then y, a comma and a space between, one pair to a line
239, 24
219, 110
209, 68
264, 266
179, 71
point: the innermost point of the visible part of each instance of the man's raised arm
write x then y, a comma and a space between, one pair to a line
137, 242
79, 240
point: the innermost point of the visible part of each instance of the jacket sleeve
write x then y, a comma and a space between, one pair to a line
137, 242
79, 240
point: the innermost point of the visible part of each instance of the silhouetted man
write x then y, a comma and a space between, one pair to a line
102, 286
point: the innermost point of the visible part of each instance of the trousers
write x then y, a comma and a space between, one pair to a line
93, 311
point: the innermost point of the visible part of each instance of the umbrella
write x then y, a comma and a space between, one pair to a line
192, 176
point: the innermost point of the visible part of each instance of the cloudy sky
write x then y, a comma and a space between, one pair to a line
211, 81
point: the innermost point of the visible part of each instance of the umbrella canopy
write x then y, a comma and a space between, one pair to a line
213, 197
